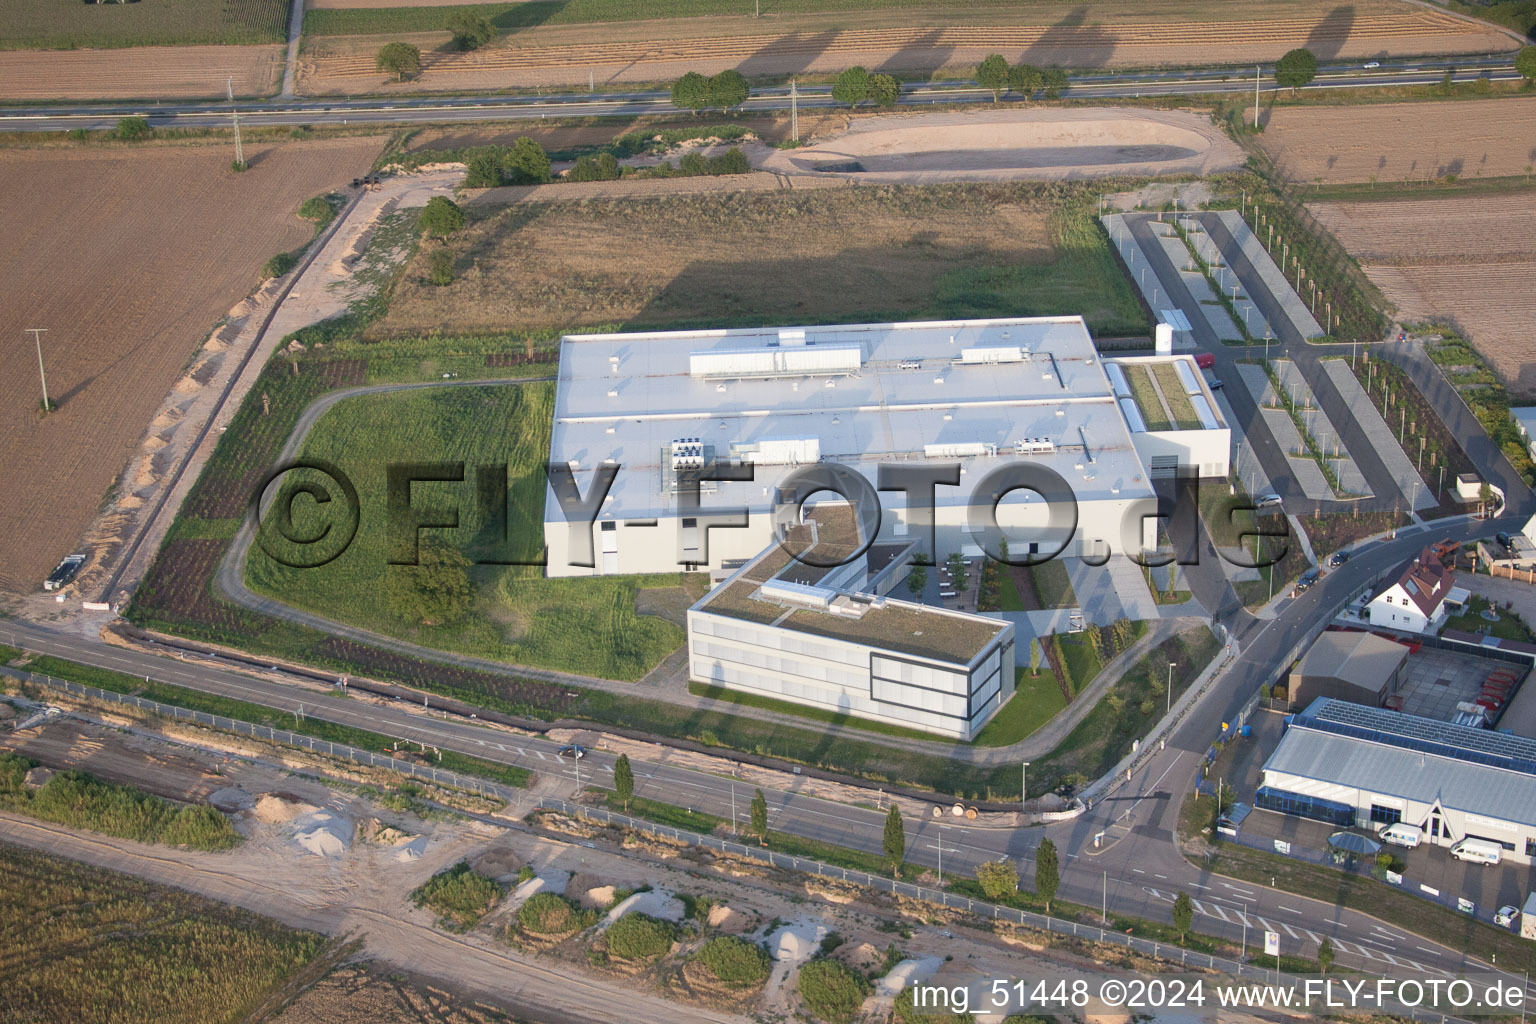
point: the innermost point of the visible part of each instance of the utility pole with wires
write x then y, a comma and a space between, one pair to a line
37, 336
240, 163
794, 110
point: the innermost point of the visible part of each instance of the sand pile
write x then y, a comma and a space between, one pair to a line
276, 808
231, 800
549, 880
38, 777
499, 863
862, 956
412, 850
657, 903
906, 973
797, 940
731, 922
322, 833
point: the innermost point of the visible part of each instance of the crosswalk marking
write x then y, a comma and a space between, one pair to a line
1291, 931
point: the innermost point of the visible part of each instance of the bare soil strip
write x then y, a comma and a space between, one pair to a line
144, 72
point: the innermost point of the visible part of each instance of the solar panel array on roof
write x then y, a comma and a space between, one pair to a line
1412, 732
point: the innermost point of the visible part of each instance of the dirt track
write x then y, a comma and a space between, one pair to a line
141, 72
128, 257
650, 51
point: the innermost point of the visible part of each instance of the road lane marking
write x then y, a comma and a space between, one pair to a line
1290, 930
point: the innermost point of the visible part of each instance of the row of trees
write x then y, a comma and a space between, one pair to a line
856, 85
726, 90
996, 74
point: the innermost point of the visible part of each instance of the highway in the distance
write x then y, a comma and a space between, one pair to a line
501, 107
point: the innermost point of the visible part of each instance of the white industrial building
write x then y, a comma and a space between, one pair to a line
832, 638
653, 408
1352, 765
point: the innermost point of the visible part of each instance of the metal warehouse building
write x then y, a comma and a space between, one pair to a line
653, 408
1348, 764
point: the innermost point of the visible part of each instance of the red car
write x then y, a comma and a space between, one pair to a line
1204, 360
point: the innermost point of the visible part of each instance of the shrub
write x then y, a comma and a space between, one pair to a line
548, 914
735, 961
832, 992
732, 161
130, 129
527, 163
317, 209
639, 937
603, 167
440, 218
484, 171
440, 268
692, 165
279, 265
459, 896
399, 59
999, 879
471, 29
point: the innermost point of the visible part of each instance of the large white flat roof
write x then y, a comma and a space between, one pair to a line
627, 397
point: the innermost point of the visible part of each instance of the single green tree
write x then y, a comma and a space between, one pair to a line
728, 89
957, 571
471, 29
999, 879
440, 218
1047, 872
917, 579
760, 817
434, 591
440, 268
691, 92
1296, 69
693, 164
399, 59
1034, 655
894, 842
130, 129
1525, 63
1053, 80
527, 164
1183, 914
852, 86
884, 89
992, 73
1325, 954
1026, 80
624, 781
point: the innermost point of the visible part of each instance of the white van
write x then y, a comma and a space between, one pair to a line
1402, 834
1478, 851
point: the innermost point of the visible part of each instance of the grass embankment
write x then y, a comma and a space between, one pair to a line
515, 614
79, 800
1036, 700
244, 711
62, 25
690, 820
1126, 713
92, 946
810, 714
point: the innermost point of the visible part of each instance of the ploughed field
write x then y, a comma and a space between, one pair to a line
1467, 260
128, 257
558, 43
1393, 142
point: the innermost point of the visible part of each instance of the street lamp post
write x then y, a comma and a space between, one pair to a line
1023, 786
1171, 666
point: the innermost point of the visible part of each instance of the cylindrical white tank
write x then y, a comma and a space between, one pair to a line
1163, 340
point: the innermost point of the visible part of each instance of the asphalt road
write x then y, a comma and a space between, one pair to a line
462, 109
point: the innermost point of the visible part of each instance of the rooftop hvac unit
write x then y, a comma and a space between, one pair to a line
959, 450
791, 336
992, 354
775, 361
1034, 446
688, 453
796, 593
779, 451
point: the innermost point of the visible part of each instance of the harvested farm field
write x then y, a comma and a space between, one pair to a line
149, 72
1403, 141
559, 44
128, 281
1467, 261
825, 255
69, 24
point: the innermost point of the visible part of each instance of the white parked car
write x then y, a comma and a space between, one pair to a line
1373, 64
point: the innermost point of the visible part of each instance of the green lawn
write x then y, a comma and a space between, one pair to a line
1053, 585
1080, 660
582, 625
1509, 627
1145, 394
1035, 701
1008, 598
753, 700
70, 24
